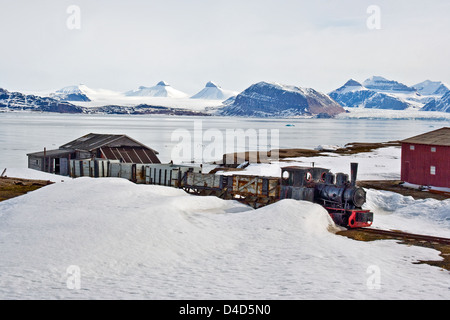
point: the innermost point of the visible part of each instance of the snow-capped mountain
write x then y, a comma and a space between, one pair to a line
17, 101
396, 89
162, 89
380, 84
72, 93
354, 95
273, 99
213, 91
432, 88
380, 93
442, 104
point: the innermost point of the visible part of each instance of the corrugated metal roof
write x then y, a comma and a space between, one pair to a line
91, 141
94, 141
440, 137
130, 155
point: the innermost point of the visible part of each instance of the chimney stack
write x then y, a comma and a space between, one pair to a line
353, 173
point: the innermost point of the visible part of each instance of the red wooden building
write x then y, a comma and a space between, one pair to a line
426, 159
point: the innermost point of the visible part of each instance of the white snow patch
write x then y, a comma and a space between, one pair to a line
151, 242
24, 173
395, 211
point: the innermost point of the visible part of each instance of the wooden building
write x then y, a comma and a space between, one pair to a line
92, 146
426, 159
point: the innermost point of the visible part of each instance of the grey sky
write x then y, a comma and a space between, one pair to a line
124, 44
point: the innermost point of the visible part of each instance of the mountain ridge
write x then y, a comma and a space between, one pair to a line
262, 99
380, 93
17, 101
265, 99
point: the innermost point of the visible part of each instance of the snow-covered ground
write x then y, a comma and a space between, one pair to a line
109, 238
380, 164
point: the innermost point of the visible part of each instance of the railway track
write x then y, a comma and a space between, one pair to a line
407, 236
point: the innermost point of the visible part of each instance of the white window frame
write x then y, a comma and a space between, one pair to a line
433, 170
433, 149
412, 147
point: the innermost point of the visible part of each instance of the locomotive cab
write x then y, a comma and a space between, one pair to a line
299, 182
296, 176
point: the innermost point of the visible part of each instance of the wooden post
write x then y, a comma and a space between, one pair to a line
45, 160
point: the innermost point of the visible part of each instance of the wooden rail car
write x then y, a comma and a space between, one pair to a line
256, 191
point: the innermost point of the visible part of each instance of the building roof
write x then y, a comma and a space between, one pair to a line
112, 146
51, 153
129, 155
94, 141
440, 137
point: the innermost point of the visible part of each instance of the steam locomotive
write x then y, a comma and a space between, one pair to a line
341, 197
336, 193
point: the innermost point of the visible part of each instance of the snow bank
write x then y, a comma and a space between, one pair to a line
394, 211
151, 242
24, 173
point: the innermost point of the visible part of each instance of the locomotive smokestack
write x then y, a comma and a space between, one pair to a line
353, 172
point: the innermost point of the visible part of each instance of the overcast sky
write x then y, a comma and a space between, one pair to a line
124, 44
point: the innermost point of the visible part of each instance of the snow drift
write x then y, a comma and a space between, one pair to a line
423, 216
150, 242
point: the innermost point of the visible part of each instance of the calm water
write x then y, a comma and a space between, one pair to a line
22, 133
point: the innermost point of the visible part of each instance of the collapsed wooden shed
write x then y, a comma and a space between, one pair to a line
119, 148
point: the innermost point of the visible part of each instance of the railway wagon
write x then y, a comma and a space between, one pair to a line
159, 174
168, 174
254, 190
204, 184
